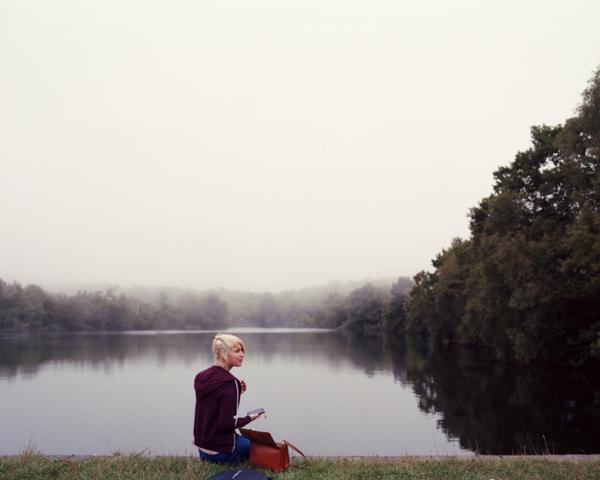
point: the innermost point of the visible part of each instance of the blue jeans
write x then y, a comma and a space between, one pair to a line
240, 454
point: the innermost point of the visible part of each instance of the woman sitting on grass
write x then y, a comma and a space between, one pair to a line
217, 401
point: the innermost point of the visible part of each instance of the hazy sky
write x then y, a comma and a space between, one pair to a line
266, 144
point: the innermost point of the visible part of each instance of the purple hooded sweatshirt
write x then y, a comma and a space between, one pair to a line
217, 400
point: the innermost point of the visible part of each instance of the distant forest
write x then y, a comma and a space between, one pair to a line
31, 308
524, 286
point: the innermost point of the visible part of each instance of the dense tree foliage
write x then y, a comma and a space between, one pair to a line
526, 284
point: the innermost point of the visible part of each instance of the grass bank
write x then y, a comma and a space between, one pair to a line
32, 466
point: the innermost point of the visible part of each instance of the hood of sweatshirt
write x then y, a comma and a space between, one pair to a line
211, 379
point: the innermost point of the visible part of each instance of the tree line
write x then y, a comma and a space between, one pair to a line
526, 284
33, 309
367, 309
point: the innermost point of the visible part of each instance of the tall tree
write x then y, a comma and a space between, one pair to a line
526, 284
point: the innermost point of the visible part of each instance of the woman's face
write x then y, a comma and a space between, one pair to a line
236, 356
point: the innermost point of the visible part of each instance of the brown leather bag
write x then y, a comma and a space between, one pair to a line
266, 452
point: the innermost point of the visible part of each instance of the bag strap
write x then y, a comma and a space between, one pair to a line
294, 448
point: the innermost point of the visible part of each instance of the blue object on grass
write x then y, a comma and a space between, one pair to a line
239, 475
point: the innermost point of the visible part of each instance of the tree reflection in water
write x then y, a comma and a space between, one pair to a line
499, 408
491, 408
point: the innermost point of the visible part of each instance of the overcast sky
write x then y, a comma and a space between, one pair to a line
266, 144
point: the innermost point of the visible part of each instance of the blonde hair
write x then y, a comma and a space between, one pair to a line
222, 343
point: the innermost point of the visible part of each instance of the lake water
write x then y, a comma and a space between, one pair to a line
328, 393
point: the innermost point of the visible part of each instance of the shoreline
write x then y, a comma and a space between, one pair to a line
368, 458
140, 466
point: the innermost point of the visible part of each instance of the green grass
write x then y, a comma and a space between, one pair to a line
33, 466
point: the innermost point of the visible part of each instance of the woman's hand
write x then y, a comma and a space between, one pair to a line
254, 417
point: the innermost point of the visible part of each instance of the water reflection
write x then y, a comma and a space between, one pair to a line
485, 407
495, 408
25, 355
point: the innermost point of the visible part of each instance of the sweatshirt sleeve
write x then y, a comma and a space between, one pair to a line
240, 422
228, 421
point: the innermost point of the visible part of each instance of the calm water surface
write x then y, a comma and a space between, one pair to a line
328, 393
